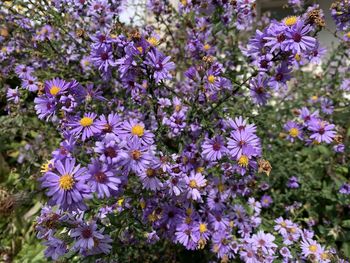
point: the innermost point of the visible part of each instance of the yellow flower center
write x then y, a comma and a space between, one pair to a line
202, 228
137, 130
46, 167
86, 63
200, 169
348, 34
86, 121
193, 184
184, 2
189, 211
178, 108
211, 79
66, 182
324, 255
140, 49
4, 49
291, 20
313, 248
152, 41
54, 90
283, 224
297, 57
294, 132
243, 161
206, 47
142, 204
314, 98
120, 201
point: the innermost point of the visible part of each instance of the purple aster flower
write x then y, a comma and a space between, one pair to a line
297, 39
323, 131
345, 85
345, 189
150, 176
339, 148
110, 123
30, 83
327, 106
264, 242
293, 182
110, 149
294, 131
55, 248
86, 126
67, 185
68, 103
55, 87
45, 107
276, 37
195, 182
160, 64
22, 71
281, 76
102, 179
310, 247
103, 58
241, 124
241, 142
284, 251
187, 235
307, 116
176, 122
66, 148
214, 149
88, 239
139, 156
266, 201
221, 244
135, 129
13, 95
259, 89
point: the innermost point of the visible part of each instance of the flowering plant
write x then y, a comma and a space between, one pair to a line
202, 132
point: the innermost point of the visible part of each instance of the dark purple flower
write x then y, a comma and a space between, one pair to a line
214, 149
323, 131
160, 64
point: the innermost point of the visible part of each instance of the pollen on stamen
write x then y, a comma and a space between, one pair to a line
291, 20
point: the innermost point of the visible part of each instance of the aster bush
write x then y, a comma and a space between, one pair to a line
196, 132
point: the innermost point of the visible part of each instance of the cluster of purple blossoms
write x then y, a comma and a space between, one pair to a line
310, 128
341, 14
276, 50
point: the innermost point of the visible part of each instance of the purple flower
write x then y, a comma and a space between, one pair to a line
242, 142
297, 39
214, 149
22, 71
187, 235
45, 107
266, 201
102, 180
86, 126
55, 248
194, 183
30, 83
264, 242
293, 182
281, 76
259, 89
102, 58
345, 189
67, 185
160, 64
13, 95
135, 129
150, 176
55, 87
139, 156
88, 239
110, 123
339, 148
323, 131
110, 149
294, 131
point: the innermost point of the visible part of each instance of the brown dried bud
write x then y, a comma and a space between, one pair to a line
135, 35
296, 112
80, 32
315, 17
208, 59
264, 167
338, 138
